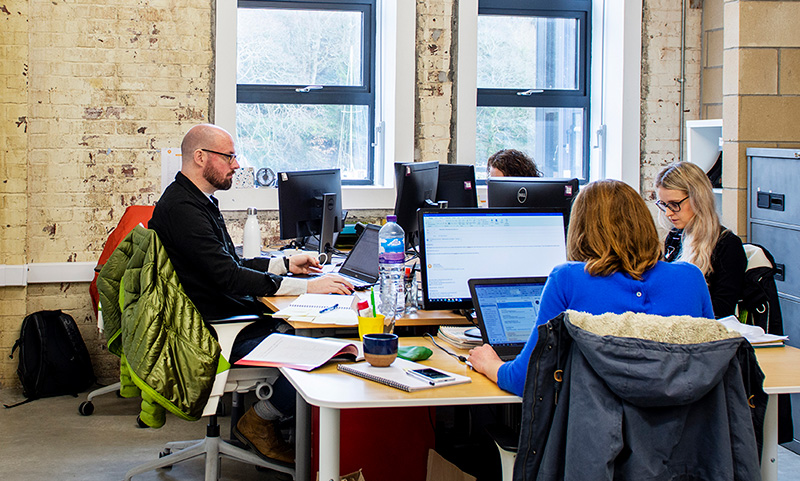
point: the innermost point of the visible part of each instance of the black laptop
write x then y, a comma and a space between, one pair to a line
506, 310
361, 265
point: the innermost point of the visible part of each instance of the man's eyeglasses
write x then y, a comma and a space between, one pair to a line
673, 206
229, 157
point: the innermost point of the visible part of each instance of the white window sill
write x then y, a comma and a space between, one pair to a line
355, 197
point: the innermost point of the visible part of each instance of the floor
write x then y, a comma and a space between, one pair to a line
48, 439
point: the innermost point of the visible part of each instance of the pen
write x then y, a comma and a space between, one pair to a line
330, 308
372, 298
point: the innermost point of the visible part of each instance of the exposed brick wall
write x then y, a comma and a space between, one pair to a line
661, 69
434, 102
107, 86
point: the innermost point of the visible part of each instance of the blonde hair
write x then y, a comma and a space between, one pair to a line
701, 233
611, 230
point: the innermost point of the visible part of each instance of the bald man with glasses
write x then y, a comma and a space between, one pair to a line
220, 284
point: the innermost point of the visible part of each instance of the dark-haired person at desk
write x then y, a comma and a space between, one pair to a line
219, 283
614, 252
686, 199
511, 163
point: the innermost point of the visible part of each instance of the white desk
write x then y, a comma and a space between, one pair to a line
781, 366
332, 390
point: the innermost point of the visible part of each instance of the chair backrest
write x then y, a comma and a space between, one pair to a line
760, 305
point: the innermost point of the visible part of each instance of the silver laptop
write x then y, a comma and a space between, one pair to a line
506, 310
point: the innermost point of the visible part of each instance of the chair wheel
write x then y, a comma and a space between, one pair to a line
86, 408
141, 423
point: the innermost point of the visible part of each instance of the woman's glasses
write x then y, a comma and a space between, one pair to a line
675, 207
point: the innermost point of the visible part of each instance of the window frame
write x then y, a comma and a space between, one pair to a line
361, 95
579, 10
395, 57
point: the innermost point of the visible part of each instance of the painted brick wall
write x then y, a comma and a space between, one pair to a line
661, 69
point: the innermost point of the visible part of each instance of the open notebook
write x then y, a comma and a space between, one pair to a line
322, 309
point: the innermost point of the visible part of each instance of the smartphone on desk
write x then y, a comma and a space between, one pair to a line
430, 375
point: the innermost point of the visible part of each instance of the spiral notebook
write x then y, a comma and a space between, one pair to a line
322, 309
396, 377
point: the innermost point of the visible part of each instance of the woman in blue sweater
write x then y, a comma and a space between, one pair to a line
614, 250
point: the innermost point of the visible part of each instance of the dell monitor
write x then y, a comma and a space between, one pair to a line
310, 204
457, 185
532, 192
416, 188
457, 245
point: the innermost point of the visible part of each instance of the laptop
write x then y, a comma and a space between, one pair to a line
506, 310
361, 265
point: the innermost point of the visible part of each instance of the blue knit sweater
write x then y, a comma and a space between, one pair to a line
666, 289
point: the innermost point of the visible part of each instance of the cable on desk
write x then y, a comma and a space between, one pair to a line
447, 351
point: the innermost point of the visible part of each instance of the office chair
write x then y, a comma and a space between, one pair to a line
170, 353
133, 216
652, 388
235, 380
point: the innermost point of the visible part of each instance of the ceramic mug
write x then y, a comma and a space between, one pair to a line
380, 350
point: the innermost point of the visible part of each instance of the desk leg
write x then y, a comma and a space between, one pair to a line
328, 444
303, 440
769, 454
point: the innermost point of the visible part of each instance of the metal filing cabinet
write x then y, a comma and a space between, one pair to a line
773, 221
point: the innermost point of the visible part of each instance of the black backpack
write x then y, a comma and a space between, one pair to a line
53, 359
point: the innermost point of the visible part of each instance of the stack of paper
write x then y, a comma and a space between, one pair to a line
454, 335
303, 353
322, 309
754, 334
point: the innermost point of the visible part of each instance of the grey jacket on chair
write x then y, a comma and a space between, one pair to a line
640, 397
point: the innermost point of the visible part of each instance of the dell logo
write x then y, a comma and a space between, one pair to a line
522, 195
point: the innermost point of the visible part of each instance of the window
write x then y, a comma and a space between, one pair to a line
305, 86
533, 83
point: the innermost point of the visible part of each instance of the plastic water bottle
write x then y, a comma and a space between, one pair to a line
391, 257
251, 244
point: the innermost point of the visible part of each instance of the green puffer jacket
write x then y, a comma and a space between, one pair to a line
156, 330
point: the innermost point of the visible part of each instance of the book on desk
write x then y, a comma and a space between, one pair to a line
301, 353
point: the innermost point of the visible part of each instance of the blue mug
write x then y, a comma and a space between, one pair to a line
380, 350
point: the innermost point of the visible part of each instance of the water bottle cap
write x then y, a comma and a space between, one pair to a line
251, 211
391, 218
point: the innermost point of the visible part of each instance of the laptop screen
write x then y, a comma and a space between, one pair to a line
507, 308
459, 244
362, 262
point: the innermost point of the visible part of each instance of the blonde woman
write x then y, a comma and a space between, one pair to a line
614, 252
687, 201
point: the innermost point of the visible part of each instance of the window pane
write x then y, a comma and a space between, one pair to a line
301, 137
527, 52
553, 137
298, 47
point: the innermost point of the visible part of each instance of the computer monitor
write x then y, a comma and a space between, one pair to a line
460, 244
310, 204
457, 185
416, 184
532, 192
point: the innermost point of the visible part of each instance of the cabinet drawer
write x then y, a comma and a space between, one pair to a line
772, 192
783, 244
790, 311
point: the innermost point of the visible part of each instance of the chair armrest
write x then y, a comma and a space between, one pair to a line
244, 318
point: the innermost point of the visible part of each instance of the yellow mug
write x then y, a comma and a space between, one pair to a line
370, 325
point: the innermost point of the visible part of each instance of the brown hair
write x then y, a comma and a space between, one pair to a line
513, 163
611, 230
